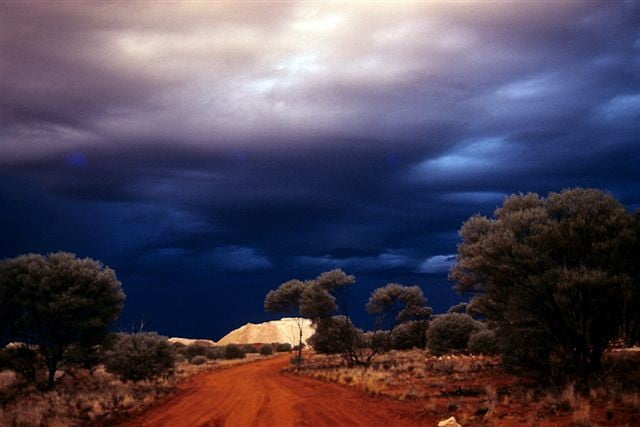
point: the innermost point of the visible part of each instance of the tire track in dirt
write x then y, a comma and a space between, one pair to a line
258, 394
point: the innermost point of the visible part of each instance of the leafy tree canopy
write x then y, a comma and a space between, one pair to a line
54, 301
563, 270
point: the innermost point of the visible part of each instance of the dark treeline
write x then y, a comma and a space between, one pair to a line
551, 282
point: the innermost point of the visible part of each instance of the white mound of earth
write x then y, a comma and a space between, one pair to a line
284, 330
189, 341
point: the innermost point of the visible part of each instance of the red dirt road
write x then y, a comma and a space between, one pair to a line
258, 394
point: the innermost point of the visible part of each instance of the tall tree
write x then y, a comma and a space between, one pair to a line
325, 302
55, 301
286, 299
558, 272
393, 305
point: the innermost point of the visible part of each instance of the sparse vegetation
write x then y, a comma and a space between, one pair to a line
90, 397
49, 304
233, 351
558, 276
408, 335
57, 310
552, 279
323, 301
250, 348
450, 332
286, 299
141, 356
478, 391
83, 398
216, 352
198, 360
554, 282
266, 350
283, 347
192, 350
483, 341
24, 361
393, 306
337, 335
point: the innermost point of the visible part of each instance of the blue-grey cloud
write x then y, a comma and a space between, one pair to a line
211, 150
437, 264
388, 260
237, 259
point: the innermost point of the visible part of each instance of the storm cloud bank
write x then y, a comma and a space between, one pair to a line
208, 151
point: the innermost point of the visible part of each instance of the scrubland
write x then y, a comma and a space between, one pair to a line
478, 391
83, 397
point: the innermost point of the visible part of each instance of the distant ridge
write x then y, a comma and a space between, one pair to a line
284, 330
189, 341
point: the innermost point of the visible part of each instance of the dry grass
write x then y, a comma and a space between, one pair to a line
398, 373
82, 399
478, 392
97, 398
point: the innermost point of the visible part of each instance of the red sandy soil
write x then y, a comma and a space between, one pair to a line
259, 394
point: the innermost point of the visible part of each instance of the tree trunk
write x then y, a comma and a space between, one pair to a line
299, 361
52, 358
52, 367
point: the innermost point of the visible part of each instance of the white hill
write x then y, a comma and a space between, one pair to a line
284, 330
189, 341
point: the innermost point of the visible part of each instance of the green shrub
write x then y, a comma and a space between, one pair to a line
232, 351
266, 350
450, 333
336, 335
557, 275
409, 335
55, 301
26, 362
199, 360
403, 312
215, 353
483, 342
526, 349
378, 340
250, 348
84, 356
293, 360
141, 356
283, 347
193, 350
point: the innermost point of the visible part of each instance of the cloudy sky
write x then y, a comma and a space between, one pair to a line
208, 151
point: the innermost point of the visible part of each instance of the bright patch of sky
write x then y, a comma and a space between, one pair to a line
437, 264
532, 87
473, 157
622, 107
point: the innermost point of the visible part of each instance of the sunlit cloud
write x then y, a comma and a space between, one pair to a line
469, 158
437, 264
237, 259
535, 86
214, 74
622, 107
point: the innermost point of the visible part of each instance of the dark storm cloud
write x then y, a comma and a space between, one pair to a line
208, 151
